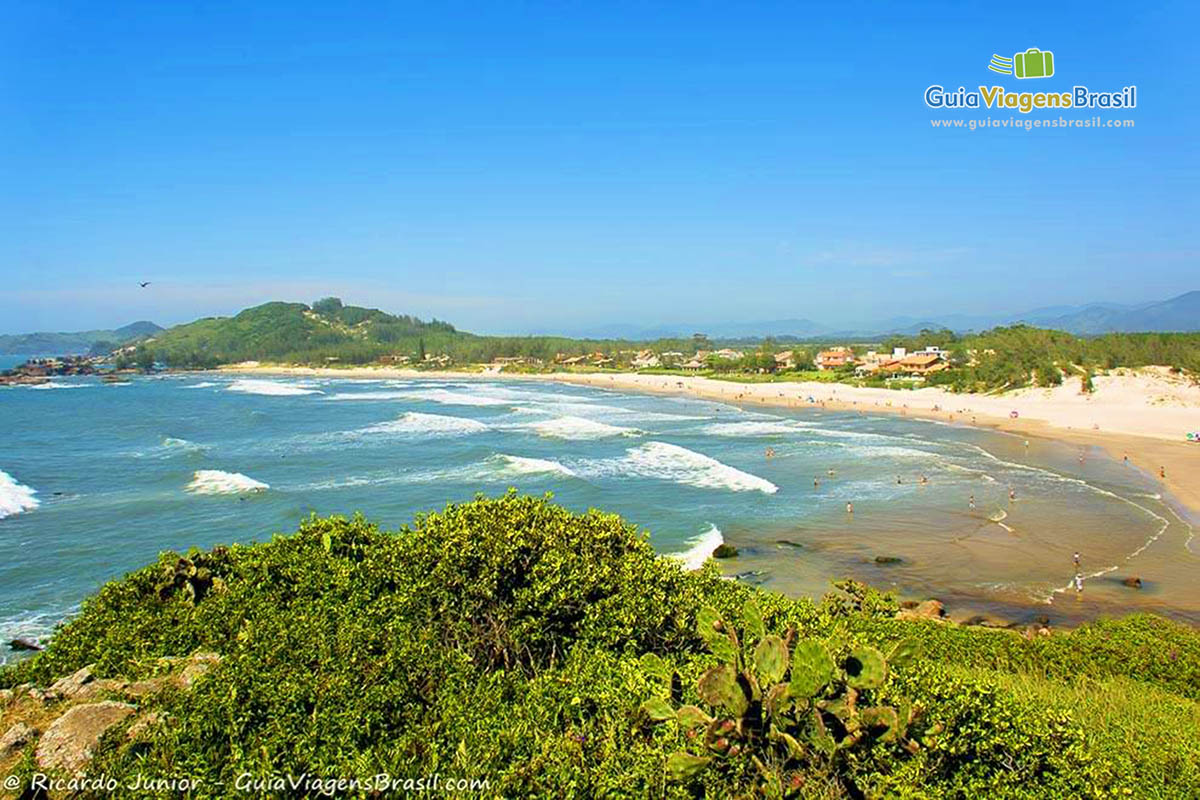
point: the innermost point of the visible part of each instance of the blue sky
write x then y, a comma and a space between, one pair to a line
518, 167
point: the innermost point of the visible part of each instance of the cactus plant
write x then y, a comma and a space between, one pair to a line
784, 708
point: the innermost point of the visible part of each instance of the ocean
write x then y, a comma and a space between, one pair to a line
96, 480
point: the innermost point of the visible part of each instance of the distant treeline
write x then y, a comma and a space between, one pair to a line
330, 332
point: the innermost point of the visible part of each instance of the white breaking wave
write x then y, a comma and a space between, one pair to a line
519, 465
270, 388
456, 398
201, 385
753, 428
53, 385
215, 481
700, 548
678, 464
416, 423
579, 428
373, 396
171, 446
15, 497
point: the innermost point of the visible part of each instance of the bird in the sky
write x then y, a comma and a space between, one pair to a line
144, 284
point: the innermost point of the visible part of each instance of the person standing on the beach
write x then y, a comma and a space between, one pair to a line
1162, 473
849, 508
971, 502
1078, 583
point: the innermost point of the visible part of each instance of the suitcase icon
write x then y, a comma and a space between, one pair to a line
1033, 63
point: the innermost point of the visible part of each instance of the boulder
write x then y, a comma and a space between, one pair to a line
930, 609
75, 686
788, 543
1133, 583
15, 738
25, 643
725, 551
69, 742
888, 560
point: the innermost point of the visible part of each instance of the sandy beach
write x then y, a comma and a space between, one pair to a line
1142, 415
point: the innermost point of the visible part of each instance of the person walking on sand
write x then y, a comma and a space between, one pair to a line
1078, 584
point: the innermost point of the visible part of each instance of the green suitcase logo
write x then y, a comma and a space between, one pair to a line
1033, 63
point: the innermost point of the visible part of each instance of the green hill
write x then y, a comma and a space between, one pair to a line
77, 343
552, 654
295, 332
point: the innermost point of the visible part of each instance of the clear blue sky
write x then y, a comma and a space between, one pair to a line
525, 166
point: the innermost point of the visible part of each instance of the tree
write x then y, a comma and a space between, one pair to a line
144, 358
327, 306
420, 350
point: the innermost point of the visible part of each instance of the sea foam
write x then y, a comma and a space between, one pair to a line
15, 497
519, 465
671, 462
753, 428
215, 481
578, 428
269, 388
700, 549
416, 423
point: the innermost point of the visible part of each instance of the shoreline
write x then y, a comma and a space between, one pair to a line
1149, 434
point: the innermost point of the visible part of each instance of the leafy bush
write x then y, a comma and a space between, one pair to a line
504, 639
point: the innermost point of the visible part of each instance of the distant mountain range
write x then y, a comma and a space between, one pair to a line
1180, 313
77, 343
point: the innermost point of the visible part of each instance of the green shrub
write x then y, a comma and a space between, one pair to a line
504, 639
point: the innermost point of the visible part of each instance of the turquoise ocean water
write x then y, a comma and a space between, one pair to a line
96, 480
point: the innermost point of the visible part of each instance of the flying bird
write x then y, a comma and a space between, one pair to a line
144, 284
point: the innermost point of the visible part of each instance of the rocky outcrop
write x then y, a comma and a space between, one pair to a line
69, 742
80, 684
930, 609
15, 738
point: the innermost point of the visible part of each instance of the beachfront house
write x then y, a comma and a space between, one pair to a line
835, 358
785, 360
645, 359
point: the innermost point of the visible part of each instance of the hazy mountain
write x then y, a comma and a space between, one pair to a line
77, 343
1180, 313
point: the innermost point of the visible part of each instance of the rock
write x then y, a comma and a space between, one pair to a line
25, 643
69, 742
725, 551
930, 609
198, 664
1133, 583
75, 686
17, 737
889, 560
789, 543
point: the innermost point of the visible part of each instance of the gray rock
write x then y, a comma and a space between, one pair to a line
17, 737
78, 685
69, 742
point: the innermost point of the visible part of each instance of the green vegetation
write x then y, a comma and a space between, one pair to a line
331, 333
555, 655
1008, 358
